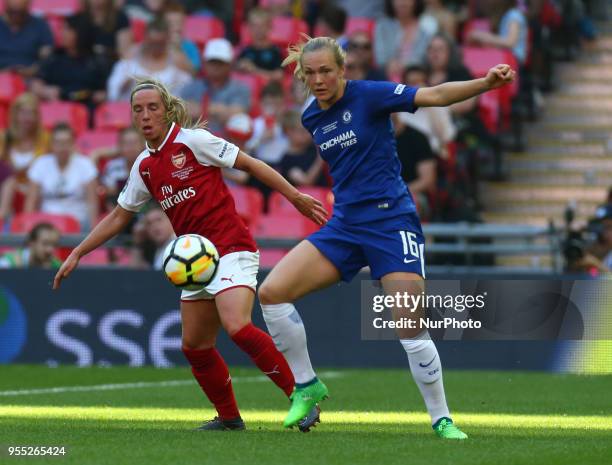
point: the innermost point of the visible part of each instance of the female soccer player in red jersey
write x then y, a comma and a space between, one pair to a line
181, 169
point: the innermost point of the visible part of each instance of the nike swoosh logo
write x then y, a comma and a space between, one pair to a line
425, 366
406, 261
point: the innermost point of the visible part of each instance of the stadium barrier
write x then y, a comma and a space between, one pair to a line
472, 247
129, 317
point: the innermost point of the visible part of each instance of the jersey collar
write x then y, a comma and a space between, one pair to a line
169, 137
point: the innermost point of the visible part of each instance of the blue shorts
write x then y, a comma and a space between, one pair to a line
388, 246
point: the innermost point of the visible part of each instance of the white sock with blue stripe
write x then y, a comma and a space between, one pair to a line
287, 330
426, 370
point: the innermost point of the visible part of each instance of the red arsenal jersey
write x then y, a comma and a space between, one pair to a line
184, 176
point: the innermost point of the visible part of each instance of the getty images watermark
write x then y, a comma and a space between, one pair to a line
415, 305
538, 309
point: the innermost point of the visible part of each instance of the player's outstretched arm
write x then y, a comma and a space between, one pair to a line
305, 204
452, 92
109, 227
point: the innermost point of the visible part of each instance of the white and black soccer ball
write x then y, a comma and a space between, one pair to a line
190, 262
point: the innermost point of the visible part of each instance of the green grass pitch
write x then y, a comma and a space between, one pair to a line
372, 417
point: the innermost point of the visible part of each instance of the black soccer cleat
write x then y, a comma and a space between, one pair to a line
217, 424
310, 420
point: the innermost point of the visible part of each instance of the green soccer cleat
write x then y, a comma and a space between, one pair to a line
446, 429
303, 400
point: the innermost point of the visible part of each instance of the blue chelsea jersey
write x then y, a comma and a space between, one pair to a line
355, 137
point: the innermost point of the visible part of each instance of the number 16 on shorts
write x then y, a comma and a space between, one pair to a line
413, 250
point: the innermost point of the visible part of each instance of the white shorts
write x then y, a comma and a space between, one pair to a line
237, 269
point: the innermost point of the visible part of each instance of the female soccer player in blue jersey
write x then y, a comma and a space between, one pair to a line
374, 223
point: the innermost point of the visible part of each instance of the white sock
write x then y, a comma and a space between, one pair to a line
426, 371
287, 330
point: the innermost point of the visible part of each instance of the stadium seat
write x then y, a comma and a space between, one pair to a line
55, 7
56, 23
97, 257
255, 83
356, 24
113, 116
139, 29
200, 29
75, 114
279, 205
285, 30
249, 204
281, 226
11, 85
479, 60
96, 139
268, 258
24, 222
3, 116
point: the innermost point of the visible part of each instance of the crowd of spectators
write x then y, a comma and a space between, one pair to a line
224, 58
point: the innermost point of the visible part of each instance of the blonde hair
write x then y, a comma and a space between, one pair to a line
176, 110
295, 53
12, 134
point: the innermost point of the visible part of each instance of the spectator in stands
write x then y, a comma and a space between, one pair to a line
434, 122
331, 22
447, 22
154, 58
238, 131
23, 141
39, 251
72, 72
151, 236
301, 164
63, 182
402, 36
24, 39
511, 29
217, 96
261, 57
363, 8
174, 14
360, 45
109, 28
116, 170
268, 142
419, 167
352, 68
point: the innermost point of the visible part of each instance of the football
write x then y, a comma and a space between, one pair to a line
190, 262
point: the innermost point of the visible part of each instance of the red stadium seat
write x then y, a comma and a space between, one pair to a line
139, 29
200, 29
280, 226
97, 257
279, 205
268, 258
96, 139
479, 60
24, 222
55, 7
56, 23
285, 30
255, 83
11, 85
249, 204
113, 116
75, 114
3, 116
357, 24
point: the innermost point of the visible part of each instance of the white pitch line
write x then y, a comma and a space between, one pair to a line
140, 385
